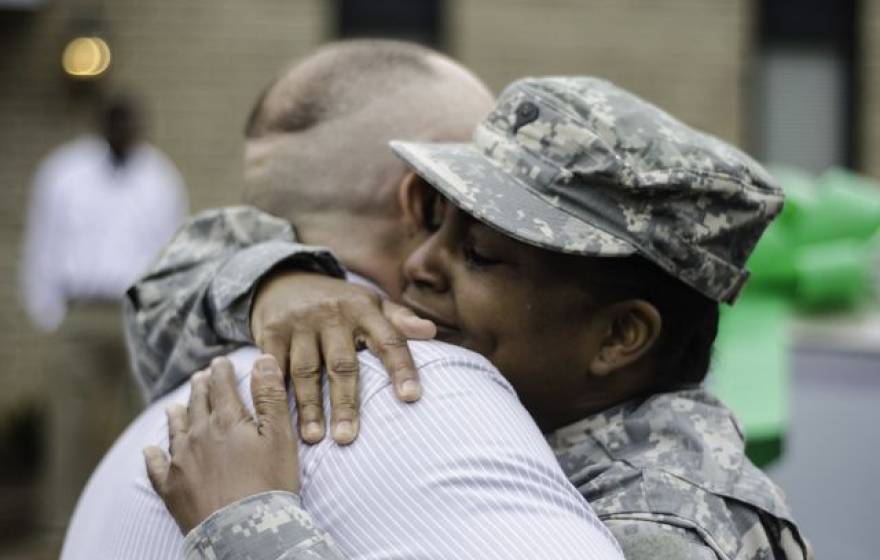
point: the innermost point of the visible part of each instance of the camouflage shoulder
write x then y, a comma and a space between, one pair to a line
267, 526
642, 539
740, 533
247, 220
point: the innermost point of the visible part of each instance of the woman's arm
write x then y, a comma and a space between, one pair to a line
232, 478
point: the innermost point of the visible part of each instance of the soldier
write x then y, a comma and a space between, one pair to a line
588, 243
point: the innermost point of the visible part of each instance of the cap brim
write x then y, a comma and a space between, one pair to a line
482, 189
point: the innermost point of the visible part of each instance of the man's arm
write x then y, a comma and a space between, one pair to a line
43, 298
194, 303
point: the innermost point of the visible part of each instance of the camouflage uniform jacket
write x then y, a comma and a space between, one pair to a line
668, 475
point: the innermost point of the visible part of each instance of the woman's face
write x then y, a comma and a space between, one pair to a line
524, 308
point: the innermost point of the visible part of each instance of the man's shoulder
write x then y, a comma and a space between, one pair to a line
87, 145
450, 365
432, 352
71, 158
446, 366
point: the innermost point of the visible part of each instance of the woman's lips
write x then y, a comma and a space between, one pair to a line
446, 331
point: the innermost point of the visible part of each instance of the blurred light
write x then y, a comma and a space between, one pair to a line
86, 57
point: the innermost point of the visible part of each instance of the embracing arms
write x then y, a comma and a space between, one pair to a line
463, 474
236, 276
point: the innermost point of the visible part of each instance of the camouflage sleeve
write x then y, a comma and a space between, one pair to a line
267, 526
762, 535
649, 540
194, 303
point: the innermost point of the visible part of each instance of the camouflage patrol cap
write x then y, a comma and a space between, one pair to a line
578, 165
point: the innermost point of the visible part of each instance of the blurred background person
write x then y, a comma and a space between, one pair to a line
102, 205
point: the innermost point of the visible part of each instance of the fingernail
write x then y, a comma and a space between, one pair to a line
312, 431
410, 390
343, 432
429, 326
266, 366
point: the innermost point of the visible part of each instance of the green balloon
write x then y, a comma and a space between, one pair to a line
833, 274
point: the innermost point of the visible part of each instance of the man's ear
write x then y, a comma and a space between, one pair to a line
414, 195
631, 329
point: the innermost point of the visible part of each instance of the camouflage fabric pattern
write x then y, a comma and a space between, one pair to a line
267, 526
578, 165
194, 303
670, 474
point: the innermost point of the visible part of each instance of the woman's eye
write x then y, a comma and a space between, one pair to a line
474, 258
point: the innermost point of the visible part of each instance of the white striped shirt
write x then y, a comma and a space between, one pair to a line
463, 473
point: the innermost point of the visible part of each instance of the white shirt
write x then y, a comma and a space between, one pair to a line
463, 473
93, 228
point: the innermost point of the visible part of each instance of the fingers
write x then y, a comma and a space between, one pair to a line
407, 322
223, 397
157, 468
178, 424
340, 357
199, 407
305, 372
270, 397
392, 349
278, 346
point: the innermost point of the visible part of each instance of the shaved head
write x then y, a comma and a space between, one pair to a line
337, 79
317, 139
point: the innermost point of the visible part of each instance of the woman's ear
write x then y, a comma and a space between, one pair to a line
631, 329
414, 195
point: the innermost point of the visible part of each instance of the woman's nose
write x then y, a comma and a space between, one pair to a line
426, 267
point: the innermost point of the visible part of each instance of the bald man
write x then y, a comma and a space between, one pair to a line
316, 155
465, 474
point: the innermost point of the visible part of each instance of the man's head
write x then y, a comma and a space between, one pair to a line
317, 144
603, 231
120, 124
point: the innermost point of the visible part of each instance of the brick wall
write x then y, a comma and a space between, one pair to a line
688, 56
196, 64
